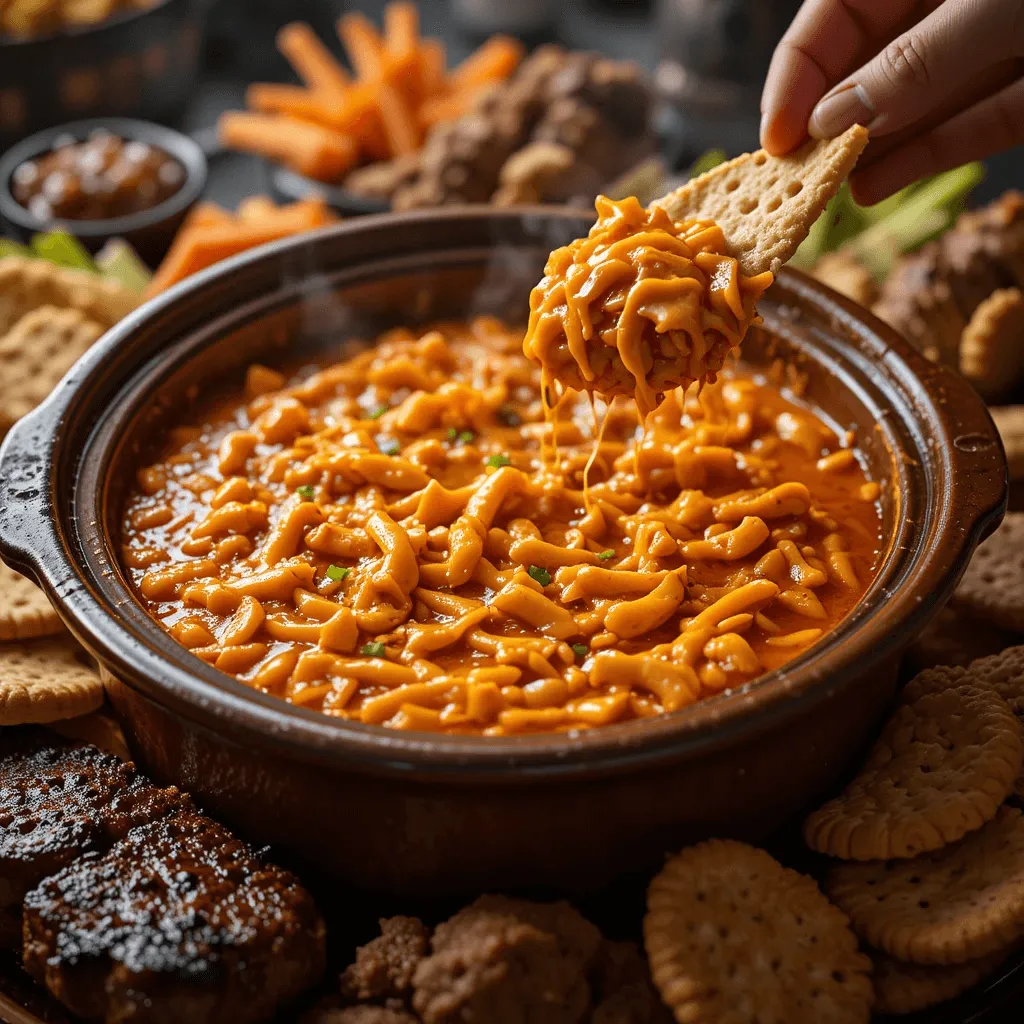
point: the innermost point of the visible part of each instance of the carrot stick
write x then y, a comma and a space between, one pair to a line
310, 149
256, 208
312, 61
493, 61
363, 45
448, 108
401, 27
433, 65
205, 214
400, 127
202, 247
305, 104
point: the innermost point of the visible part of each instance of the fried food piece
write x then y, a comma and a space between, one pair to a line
384, 968
507, 961
57, 802
179, 921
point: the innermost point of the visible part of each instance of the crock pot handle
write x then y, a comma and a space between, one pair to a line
28, 530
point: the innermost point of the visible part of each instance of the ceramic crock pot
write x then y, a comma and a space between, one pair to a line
407, 812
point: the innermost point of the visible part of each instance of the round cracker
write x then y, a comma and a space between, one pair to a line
1005, 672
945, 761
992, 589
948, 907
732, 935
953, 638
46, 681
907, 988
25, 611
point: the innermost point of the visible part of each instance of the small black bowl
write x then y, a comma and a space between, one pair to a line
149, 231
141, 63
290, 187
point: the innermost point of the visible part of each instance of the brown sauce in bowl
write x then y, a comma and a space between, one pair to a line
99, 179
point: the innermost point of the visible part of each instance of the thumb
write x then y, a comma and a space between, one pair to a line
922, 67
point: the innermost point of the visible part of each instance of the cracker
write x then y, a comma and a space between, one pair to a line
948, 907
733, 936
25, 611
26, 284
992, 588
907, 988
1005, 672
1009, 420
944, 763
46, 681
765, 205
992, 346
36, 353
953, 638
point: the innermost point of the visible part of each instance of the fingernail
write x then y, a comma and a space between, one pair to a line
839, 111
766, 120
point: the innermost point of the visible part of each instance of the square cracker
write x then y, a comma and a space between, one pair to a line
765, 205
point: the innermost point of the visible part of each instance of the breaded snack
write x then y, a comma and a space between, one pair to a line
26, 284
992, 588
950, 906
733, 937
384, 967
944, 763
25, 611
1009, 420
47, 680
765, 205
992, 347
906, 988
36, 353
505, 961
841, 271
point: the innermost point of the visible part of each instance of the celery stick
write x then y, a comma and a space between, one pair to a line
8, 247
118, 261
63, 249
706, 161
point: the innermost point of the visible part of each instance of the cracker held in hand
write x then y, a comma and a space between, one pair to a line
733, 936
948, 907
765, 205
944, 763
26, 284
992, 589
25, 611
907, 988
36, 354
1009, 420
46, 681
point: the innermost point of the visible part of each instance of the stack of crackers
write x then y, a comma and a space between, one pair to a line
49, 316
923, 895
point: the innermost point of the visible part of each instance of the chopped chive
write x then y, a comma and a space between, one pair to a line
374, 650
466, 436
306, 492
497, 461
541, 575
605, 555
509, 417
336, 573
376, 413
390, 448
580, 650
452, 434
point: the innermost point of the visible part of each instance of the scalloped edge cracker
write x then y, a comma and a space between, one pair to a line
765, 205
25, 610
47, 681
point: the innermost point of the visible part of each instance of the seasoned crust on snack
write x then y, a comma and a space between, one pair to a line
507, 961
385, 966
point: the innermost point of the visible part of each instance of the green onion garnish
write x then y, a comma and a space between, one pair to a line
375, 414
336, 573
580, 650
466, 436
541, 575
390, 448
374, 650
605, 555
452, 434
497, 461
306, 492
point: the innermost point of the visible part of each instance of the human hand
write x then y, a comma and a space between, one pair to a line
937, 82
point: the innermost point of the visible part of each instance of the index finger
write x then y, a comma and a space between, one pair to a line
820, 48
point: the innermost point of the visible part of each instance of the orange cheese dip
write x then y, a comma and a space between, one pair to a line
385, 541
641, 306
